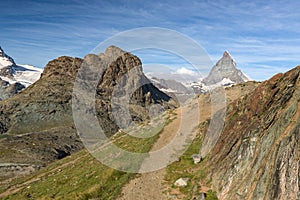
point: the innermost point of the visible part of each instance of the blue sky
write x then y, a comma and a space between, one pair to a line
262, 36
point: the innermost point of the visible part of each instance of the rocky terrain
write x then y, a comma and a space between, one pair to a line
257, 155
8, 90
37, 124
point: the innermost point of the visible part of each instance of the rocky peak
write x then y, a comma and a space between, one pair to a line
226, 54
114, 51
225, 68
5, 60
62, 66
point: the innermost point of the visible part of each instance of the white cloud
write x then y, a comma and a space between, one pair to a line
184, 71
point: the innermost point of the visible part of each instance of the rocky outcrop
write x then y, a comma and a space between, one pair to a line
121, 82
257, 155
8, 90
225, 69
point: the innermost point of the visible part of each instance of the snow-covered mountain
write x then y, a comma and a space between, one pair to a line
223, 73
5, 60
169, 86
13, 77
13, 73
225, 69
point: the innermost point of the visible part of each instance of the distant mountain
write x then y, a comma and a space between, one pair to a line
225, 70
223, 73
15, 77
5, 60
169, 85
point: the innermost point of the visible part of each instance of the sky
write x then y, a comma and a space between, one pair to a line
262, 36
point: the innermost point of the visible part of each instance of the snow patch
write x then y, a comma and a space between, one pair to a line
24, 74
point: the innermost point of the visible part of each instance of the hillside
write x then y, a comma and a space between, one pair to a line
90, 179
257, 154
37, 126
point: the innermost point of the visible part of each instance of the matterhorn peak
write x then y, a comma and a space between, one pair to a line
225, 68
226, 54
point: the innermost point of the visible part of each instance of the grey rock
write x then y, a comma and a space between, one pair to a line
201, 196
197, 158
181, 182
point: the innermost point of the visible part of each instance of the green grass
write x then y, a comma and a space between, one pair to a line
185, 168
3, 136
80, 176
211, 195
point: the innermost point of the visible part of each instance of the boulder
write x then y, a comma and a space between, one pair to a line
182, 182
197, 158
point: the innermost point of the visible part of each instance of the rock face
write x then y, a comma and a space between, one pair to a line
225, 69
8, 90
257, 155
39, 122
122, 81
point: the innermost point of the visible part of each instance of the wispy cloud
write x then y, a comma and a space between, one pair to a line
257, 33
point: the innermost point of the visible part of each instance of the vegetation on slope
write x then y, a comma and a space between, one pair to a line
79, 176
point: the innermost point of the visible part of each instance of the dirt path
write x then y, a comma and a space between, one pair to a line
149, 186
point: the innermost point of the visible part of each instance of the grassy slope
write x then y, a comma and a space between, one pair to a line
79, 176
185, 168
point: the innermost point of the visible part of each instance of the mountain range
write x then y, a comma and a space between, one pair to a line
223, 73
255, 157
